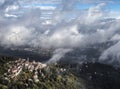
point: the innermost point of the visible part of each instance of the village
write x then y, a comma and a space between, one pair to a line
20, 64
22, 73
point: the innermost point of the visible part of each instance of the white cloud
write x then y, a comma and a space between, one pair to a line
58, 54
11, 15
46, 7
11, 8
116, 37
61, 32
111, 55
95, 13
17, 36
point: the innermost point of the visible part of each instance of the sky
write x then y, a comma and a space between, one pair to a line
49, 6
60, 24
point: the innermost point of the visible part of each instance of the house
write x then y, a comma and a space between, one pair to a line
19, 64
35, 77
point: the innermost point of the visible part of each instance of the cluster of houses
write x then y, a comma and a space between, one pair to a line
21, 64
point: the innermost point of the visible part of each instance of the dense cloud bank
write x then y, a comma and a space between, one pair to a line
62, 27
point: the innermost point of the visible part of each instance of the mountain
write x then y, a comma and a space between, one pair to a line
24, 52
89, 52
21, 73
87, 75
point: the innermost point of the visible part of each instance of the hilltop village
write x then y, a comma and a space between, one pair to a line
22, 64
18, 73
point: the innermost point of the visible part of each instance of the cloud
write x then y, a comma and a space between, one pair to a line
99, 1
59, 25
58, 54
111, 55
65, 28
10, 15
95, 13
16, 35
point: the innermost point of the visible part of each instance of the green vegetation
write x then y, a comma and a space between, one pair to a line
51, 77
3, 63
60, 76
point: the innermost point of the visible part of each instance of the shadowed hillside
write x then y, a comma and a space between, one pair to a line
62, 76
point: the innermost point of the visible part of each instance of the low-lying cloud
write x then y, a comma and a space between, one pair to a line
63, 28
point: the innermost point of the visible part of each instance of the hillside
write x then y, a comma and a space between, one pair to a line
48, 77
37, 75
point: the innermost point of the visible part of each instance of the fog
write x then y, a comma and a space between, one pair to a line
59, 24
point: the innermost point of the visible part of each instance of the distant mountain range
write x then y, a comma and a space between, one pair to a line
89, 52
